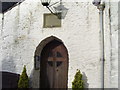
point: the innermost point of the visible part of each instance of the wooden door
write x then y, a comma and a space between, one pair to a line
54, 66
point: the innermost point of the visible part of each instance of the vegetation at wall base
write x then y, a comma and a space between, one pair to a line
78, 83
23, 80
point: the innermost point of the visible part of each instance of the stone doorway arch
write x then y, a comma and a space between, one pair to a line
39, 51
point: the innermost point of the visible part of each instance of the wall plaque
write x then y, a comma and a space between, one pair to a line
51, 20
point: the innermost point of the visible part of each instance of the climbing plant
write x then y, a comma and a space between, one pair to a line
78, 82
23, 80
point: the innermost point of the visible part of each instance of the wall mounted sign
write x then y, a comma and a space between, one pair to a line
51, 21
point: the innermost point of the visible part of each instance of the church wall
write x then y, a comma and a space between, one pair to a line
23, 31
114, 44
0, 40
111, 44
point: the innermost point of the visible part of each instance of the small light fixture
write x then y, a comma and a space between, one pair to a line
59, 10
37, 62
46, 3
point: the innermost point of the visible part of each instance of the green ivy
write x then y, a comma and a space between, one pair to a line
23, 80
78, 83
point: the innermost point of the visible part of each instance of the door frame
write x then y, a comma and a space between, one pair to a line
38, 52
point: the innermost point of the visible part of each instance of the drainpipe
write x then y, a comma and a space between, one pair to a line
100, 7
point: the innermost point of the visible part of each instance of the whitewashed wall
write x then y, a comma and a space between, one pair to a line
114, 44
23, 31
0, 41
0, 50
111, 44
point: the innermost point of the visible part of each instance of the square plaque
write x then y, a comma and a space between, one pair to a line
51, 21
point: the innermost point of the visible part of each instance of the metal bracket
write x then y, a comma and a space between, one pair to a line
37, 62
101, 7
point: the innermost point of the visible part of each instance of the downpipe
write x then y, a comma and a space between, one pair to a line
101, 7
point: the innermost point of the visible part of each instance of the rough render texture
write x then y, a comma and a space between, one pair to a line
114, 44
22, 31
111, 44
0, 50
0, 39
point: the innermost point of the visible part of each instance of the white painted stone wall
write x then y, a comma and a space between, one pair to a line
23, 31
111, 44
114, 44
0, 40
0, 50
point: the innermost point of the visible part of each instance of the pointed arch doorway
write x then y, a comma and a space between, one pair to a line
54, 65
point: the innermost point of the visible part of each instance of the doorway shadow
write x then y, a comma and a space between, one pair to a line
85, 79
34, 79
